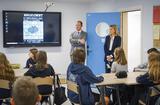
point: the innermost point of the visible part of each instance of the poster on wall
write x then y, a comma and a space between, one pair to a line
156, 32
156, 26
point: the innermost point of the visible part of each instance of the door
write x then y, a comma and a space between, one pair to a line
97, 29
131, 30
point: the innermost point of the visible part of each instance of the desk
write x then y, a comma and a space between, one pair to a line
140, 70
111, 79
19, 72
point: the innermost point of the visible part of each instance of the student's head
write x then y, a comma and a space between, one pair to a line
6, 71
154, 66
3, 60
152, 50
79, 25
32, 53
79, 56
113, 30
24, 92
120, 57
41, 59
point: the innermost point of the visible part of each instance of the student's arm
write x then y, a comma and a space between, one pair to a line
90, 77
52, 72
27, 64
28, 73
113, 68
144, 79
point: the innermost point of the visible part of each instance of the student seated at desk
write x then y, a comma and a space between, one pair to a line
120, 62
83, 76
41, 69
148, 79
144, 65
6, 73
32, 58
25, 92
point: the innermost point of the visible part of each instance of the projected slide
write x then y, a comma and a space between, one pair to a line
33, 28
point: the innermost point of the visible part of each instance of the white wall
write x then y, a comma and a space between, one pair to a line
58, 57
122, 5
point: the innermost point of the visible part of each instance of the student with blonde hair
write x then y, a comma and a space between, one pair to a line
120, 61
6, 73
150, 78
120, 64
25, 92
154, 67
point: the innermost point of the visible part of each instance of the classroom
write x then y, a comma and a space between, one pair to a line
99, 52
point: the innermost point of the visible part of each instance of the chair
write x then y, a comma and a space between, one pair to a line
72, 86
41, 81
152, 91
4, 84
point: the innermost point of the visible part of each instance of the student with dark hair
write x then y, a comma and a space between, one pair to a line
144, 65
6, 73
83, 76
41, 69
32, 58
25, 92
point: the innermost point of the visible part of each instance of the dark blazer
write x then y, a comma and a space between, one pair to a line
29, 62
116, 43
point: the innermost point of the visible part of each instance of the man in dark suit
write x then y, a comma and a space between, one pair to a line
112, 41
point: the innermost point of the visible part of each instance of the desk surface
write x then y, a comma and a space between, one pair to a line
140, 70
19, 72
111, 79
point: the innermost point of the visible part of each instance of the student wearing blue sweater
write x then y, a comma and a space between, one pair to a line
32, 58
83, 76
150, 78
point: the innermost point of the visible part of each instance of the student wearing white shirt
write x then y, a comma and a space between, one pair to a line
112, 41
120, 62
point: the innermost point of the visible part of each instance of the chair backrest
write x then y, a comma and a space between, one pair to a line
72, 86
4, 84
155, 90
43, 81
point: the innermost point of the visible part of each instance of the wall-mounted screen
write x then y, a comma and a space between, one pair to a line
29, 28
